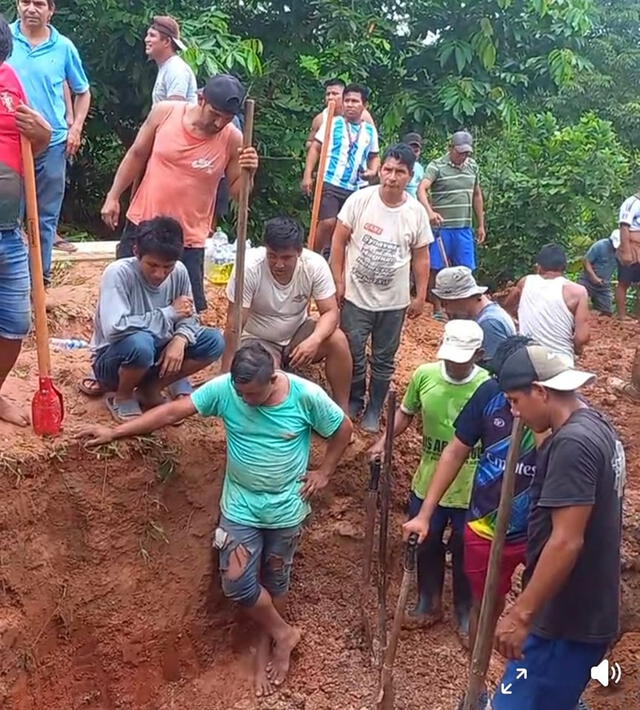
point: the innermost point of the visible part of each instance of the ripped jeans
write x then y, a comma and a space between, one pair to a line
267, 562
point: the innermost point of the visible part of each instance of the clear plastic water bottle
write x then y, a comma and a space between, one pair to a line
216, 259
69, 343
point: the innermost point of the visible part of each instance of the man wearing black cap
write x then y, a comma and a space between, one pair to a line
568, 614
414, 141
176, 80
180, 154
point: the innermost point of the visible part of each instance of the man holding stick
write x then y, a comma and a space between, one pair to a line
269, 417
568, 614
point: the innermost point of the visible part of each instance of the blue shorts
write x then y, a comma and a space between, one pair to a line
459, 246
15, 286
557, 674
141, 350
270, 554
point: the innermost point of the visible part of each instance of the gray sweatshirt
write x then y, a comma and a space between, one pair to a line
127, 304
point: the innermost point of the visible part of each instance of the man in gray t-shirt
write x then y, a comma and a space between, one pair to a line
176, 80
147, 337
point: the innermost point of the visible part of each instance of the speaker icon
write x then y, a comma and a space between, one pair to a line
605, 672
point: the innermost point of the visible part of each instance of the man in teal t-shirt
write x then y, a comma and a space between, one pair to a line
438, 391
269, 417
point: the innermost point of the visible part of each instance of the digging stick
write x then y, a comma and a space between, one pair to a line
243, 218
386, 693
47, 408
484, 639
370, 506
385, 501
324, 153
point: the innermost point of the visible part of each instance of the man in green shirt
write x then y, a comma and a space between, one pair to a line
269, 416
438, 391
453, 183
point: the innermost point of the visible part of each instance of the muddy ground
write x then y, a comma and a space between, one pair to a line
108, 592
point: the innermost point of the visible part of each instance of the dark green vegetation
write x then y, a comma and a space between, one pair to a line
550, 87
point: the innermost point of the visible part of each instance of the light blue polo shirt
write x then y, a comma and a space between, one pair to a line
42, 71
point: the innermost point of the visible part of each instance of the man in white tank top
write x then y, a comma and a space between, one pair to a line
551, 309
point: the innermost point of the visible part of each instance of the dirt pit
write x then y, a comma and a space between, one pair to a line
109, 596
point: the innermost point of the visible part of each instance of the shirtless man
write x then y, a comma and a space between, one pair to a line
628, 253
551, 309
267, 487
333, 91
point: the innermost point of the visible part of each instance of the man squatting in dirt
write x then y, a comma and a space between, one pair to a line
280, 280
16, 119
269, 416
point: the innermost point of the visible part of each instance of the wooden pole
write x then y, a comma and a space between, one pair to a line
322, 166
486, 627
241, 231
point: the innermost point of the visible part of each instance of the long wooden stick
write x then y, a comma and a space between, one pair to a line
484, 638
324, 153
241, 231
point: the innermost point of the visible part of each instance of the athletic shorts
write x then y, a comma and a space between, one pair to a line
281, 353
557, 672
476, 562
629, 274
459, 245
332, 200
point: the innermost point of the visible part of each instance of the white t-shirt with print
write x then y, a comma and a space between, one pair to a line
378, 258
278, 310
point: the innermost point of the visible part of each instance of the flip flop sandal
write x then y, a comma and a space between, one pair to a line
64, 245
180, 388
123, 411
91, 387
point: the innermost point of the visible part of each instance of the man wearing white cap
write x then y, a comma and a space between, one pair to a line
563, 622
463, 298
176, 80
438, 391
600, 264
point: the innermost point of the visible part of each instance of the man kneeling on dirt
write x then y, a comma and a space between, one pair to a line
281, 278
269, 416
147, 337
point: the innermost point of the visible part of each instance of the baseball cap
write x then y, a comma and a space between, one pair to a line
615, 238
169, 27
456, 282
413, 139
463, 141
225, 93
535, 365
462, 339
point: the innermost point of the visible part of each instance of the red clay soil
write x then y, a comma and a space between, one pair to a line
108, 592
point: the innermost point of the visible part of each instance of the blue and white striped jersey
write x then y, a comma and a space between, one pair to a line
352, 145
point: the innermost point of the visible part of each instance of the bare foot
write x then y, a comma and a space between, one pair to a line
279, 666
261, 661
413, 620
10, 412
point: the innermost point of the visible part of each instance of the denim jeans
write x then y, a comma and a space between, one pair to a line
51, 168
270, 559
142, 350
15, 286
384, 328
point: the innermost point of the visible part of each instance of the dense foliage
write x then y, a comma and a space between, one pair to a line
548, 86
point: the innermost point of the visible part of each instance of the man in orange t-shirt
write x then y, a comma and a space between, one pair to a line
180, 155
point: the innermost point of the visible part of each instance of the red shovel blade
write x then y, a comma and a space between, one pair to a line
47, 409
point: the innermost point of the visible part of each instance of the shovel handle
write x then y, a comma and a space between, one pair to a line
411, 553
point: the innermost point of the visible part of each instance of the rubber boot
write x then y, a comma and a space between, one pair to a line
377, 393
356, 398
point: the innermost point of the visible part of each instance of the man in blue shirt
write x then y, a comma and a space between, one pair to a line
600, 264
414, 141
44, 60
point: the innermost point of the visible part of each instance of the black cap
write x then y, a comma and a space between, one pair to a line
225, 93
413, 139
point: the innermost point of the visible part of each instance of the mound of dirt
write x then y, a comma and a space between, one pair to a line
109, 597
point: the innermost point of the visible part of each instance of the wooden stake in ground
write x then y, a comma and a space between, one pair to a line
385, 502
386, 695
47, 409
322, 166
486, 627
241, 230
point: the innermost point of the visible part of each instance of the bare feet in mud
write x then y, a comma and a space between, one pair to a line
11, 413
281, 658
415, 620
262, 658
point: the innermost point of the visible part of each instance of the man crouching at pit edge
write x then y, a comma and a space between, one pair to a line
269, 416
